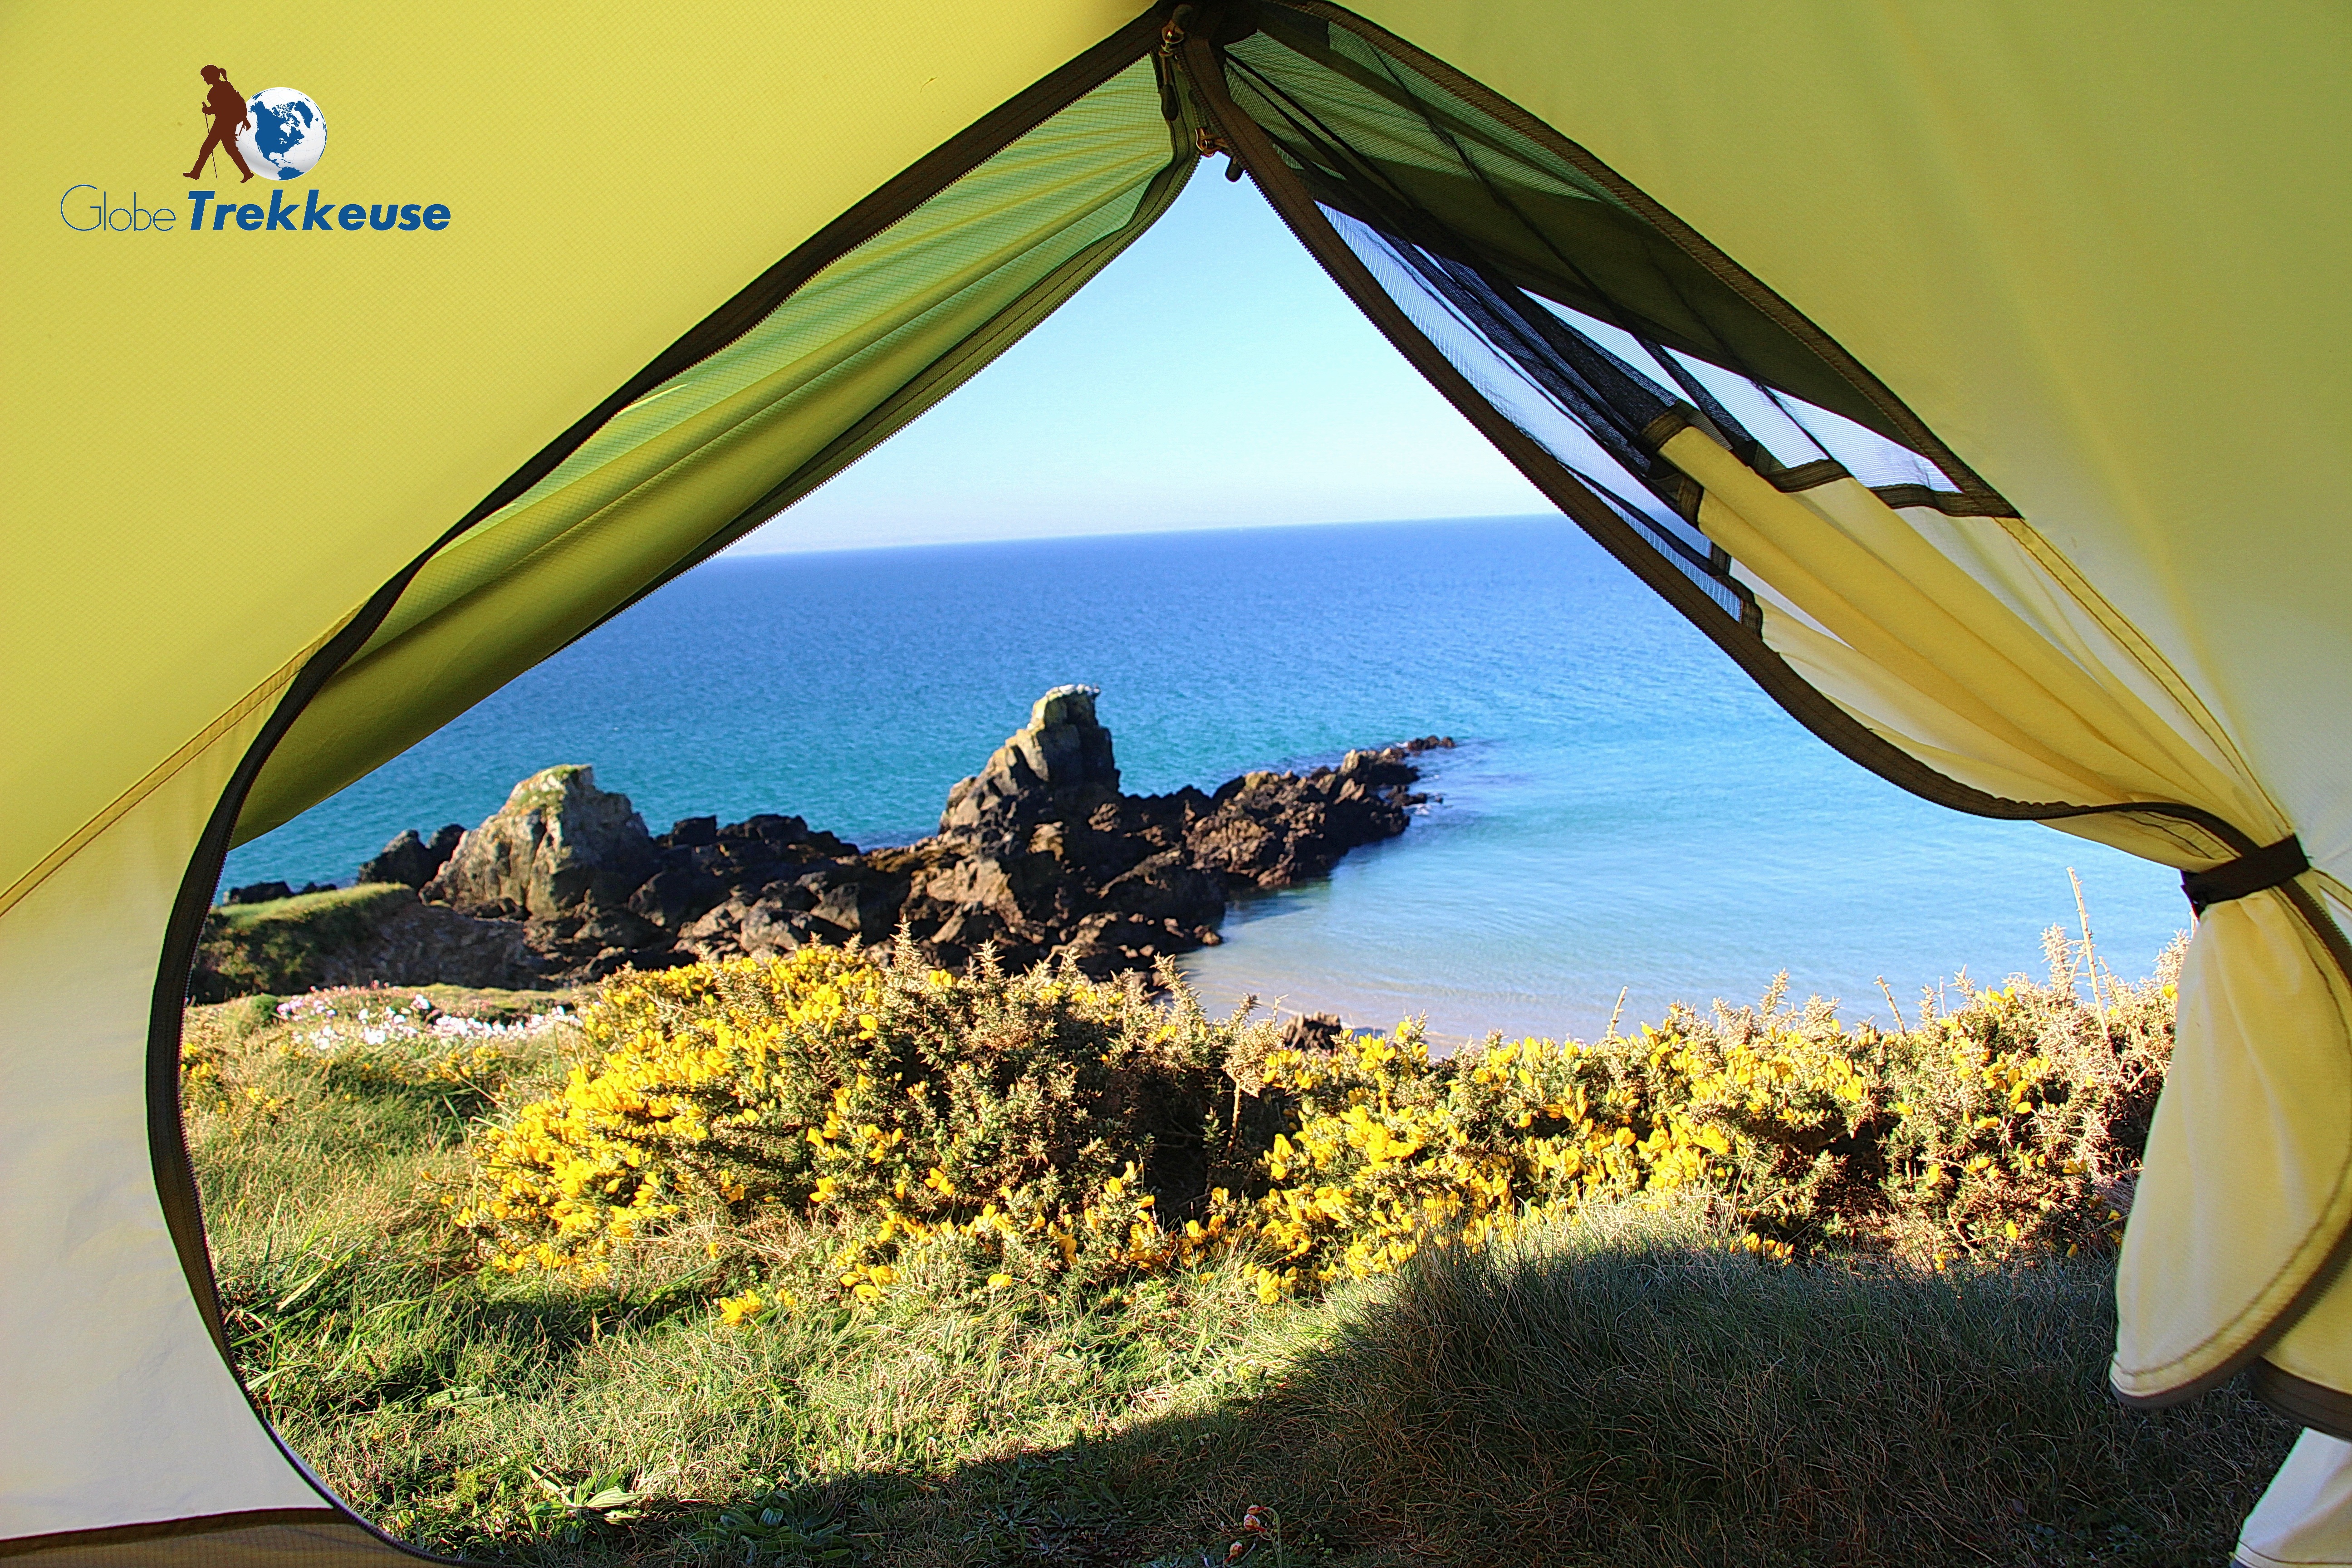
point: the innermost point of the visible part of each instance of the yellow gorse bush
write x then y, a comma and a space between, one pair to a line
1045, 1131
1007, 1121
1994, 1129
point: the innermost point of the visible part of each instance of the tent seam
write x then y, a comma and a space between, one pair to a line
164, 1529
161, 773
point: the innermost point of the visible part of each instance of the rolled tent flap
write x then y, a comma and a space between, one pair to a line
2245, 1195
1808, 521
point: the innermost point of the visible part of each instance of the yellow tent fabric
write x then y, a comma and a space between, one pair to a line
2248, 1181
2095, 251
354, 395
2306, 1517
2095, 248
332, 404
2091, 251
859, 349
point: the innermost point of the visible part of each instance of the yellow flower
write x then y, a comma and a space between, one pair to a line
999, 1282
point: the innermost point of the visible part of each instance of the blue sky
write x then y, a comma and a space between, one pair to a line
1210, 377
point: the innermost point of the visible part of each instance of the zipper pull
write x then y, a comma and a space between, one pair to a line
1171, 32
1207, 143
1163, 64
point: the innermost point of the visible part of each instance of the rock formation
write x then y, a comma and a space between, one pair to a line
1038, 856
409, 861
559, 845
1058, 765
271, 892
374, 933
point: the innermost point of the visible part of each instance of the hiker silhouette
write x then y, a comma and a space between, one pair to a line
227, 106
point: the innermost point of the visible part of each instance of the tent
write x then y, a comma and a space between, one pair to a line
1972, 374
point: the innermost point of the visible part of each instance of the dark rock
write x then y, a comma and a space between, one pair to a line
771, 926
863, 907
1313, 1032
1271, 830
717, 931
669, 898
690, 831
618, 928
1168, 886
409, 861
558, 843
1059, 762
268, 892
794, 897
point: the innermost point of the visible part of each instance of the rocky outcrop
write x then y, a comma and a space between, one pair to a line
1270, 830
409, 861
559, 847
766, 885
1058, 765
1039, 855
269, 893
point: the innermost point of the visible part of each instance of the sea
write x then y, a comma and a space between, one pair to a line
1624, 822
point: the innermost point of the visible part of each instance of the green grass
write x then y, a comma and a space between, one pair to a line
1623, 1390
280, 943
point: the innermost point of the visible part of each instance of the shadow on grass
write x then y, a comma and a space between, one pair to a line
338, 1328
1626, 1404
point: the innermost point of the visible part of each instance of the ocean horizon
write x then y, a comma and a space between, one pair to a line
1624, 812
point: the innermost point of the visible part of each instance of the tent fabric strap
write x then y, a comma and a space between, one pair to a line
2312, 1404
2272, 865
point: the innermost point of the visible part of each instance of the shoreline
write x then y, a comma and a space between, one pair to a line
1039, 857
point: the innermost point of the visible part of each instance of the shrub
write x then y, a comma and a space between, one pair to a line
1026, 1123
2006, 1125
1044, 1128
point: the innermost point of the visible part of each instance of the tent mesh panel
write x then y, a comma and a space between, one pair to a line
1567, 308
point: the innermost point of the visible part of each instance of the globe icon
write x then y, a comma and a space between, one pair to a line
286, 136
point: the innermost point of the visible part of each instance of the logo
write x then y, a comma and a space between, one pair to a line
277, 132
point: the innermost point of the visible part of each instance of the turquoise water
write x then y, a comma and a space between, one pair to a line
1623, 810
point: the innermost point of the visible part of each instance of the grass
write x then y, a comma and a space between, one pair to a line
1625, 1388
279, 943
